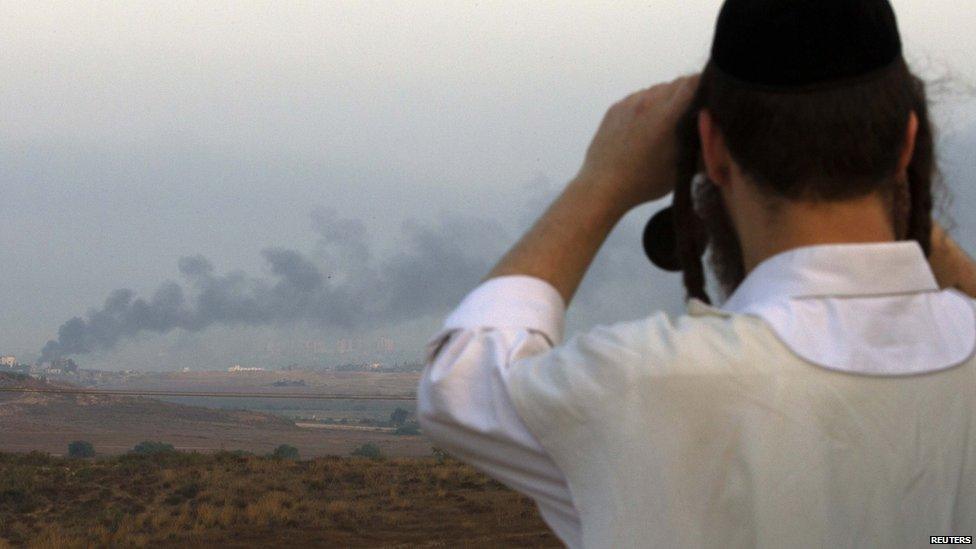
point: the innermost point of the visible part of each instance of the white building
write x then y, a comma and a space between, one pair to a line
8, 360
239, 368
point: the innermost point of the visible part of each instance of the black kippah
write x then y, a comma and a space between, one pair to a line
789, 44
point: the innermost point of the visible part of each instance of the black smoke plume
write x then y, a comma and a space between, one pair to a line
341, 285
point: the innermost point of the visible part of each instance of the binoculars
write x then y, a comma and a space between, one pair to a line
661, 241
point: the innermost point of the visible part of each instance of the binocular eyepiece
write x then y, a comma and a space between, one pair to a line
661, 241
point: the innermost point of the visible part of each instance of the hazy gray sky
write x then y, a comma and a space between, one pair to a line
368, 137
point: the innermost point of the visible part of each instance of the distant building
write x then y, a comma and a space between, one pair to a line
385, 345
63, 366
239, 368
8, 360
314, 346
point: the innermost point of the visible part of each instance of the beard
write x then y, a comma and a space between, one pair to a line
724, 249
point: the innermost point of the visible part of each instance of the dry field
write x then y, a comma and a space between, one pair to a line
229, 500
374, 383
114, 424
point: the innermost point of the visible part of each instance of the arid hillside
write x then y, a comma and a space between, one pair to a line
230, 500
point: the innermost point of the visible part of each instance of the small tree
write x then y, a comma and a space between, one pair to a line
81, 449
399, 417
151, 448
285, 451
368, 450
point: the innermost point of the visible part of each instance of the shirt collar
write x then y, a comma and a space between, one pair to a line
882, 268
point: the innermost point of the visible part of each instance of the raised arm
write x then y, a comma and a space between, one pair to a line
463, 401
631, 160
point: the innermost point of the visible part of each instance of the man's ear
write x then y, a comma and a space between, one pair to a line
908, 146
714, 152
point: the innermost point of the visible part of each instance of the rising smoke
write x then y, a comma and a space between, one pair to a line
342, 284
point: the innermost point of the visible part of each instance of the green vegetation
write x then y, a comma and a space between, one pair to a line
149, 448
14, 376
81, 449
176, 498
285, 451
412, 428
368, 450
399, 417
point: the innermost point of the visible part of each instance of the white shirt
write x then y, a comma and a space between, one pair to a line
809, 295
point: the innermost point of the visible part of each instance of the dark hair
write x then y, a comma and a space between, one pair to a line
823, 145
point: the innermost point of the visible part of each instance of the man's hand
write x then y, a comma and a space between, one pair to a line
630, 161
633, 154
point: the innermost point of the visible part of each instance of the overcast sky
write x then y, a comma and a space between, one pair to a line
394, 148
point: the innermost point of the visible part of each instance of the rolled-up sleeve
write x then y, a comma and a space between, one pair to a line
463, 399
